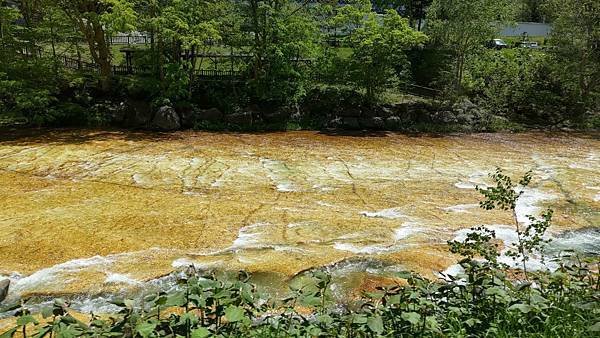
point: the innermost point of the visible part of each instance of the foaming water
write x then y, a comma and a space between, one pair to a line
55, 273
393, 213
274, 203
529, 204
585, 241
461, 208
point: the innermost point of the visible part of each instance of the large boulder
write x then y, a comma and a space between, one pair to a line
4, 285
376, 123
393, 123
349, 112
350, 123
277, 116
334, 123
378, 111
241, 118
166, 119
469, 114
212, 114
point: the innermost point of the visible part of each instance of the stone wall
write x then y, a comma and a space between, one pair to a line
139, 114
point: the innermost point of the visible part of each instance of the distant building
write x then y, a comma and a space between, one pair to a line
527, 28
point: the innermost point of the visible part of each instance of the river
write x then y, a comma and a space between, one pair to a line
87, 213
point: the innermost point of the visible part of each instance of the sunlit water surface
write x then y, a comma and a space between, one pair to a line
91, 214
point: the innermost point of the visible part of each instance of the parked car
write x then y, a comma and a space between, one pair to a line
528, 44
498, 44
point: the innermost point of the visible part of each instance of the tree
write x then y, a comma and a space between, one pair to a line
576, 35
533, 11
189, 28
378, 46
414, 10
96, 20
464, 26
283, 37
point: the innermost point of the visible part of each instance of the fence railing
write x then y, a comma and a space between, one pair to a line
129, 40
201, 74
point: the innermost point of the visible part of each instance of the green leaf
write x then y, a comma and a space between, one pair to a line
325, 319
146, 329
375, 324
524, 308
403, 274
234, 314
374, 295
394, 299
188, 318
359, 319
43, 331
176, 299
311, 300
595, 327
411, 317
9, 333
46, 312
200, 333
68, 332
472, 322
538, 299
24, 320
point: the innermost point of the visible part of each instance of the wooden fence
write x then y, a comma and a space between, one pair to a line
129, 40
123, 70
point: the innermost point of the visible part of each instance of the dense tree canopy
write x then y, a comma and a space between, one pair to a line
277, 52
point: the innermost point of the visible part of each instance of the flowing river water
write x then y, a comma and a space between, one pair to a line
94, 213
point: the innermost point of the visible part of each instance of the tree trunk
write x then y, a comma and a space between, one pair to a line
103, 56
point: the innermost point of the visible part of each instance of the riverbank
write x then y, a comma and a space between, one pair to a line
413, 115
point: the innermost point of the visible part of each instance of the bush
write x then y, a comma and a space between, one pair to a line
519, 83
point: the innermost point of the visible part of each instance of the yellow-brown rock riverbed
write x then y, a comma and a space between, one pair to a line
84, 211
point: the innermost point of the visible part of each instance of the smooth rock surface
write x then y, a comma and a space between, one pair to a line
166, 119
212, 114
100, 211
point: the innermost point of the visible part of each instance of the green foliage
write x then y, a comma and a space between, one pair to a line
521, 84
482, 303
378, 57
464, 26
283, 36
530, 235
576, 35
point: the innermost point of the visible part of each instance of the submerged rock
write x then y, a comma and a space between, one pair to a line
4, 285
166, 118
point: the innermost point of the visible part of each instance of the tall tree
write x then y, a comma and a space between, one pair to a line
96, 20
281, 35
576, 35
414, 10
378, 45
463, 26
